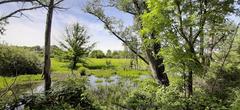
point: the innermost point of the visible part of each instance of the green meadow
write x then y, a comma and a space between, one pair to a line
101, 68
92, 66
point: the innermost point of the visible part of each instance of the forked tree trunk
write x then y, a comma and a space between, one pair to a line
47, 60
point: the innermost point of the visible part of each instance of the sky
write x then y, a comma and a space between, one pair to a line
29, 31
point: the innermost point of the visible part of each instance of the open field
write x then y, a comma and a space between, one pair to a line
97, 67
100, 68
7, 81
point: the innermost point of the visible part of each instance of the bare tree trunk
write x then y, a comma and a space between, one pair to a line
189, 88
47, 60
153, 60
74, 64
157, 67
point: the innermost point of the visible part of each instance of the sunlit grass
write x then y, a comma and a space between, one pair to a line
100, 68
7, 81
122, 73
59, 67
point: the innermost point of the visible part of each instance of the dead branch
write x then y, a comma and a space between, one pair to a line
18, 11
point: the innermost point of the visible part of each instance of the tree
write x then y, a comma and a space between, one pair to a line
97, 54
47, 60
51, 5
135, 8
109, 54
2, 25
116, 54
56, 52
76, 43
135, 43
35, 4
193, 34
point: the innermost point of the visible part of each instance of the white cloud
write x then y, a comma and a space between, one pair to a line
31, 32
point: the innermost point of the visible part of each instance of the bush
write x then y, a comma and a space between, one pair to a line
150, 96
236, 103
97, 54
111, 97
16, 61
65, 95
82, 71
223, 83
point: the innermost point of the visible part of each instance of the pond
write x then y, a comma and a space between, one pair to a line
93, 83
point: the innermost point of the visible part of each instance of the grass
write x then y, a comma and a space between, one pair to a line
99, 67
22, 79
94, 63
122, 73
59, 67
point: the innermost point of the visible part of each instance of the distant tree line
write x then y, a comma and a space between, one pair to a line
111, 54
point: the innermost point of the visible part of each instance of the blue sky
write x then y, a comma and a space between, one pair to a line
29, 31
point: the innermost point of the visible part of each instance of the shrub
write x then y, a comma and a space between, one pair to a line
69, 94
16, 61
236, 103
150, 96
97, 54
82, 71
111, 97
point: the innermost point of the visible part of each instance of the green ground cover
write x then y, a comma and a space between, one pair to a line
22, 79
102, 67
99, 67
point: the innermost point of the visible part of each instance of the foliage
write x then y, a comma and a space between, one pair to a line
2, 26
122, 73
109, 54
82, 71
111, 96
58, 53
21, 79
68, 94
97, 54
126, 34
151, 96
236, 104
93, 63
16, 61
222, 84
76, 43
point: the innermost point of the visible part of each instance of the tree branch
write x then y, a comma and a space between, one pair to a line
180, 23
12, 1
116, 35
230, 47
18, 11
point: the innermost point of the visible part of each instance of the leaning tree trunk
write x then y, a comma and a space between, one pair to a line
47, 61
157, 67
